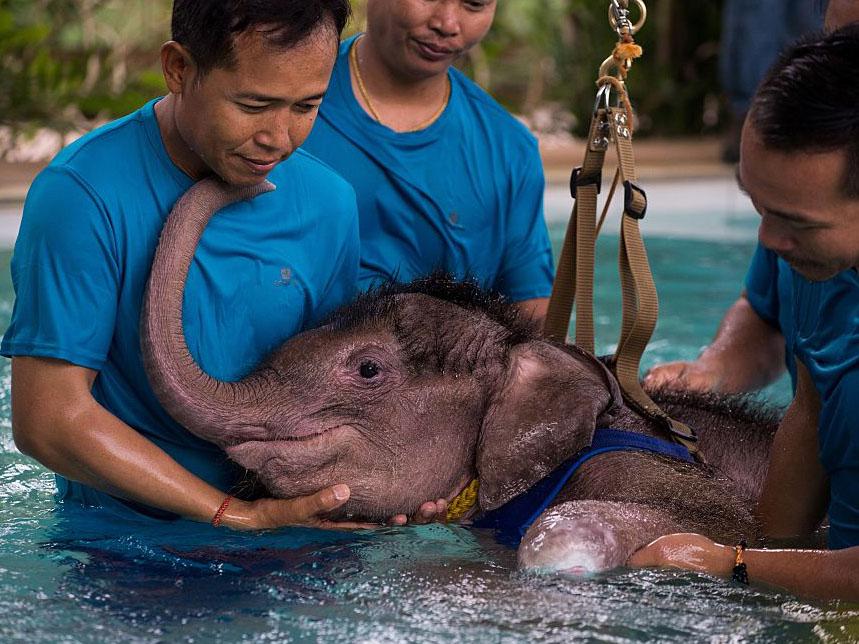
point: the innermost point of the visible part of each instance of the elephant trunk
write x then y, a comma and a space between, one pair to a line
193, 398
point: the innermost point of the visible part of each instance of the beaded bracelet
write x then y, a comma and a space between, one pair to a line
216, 520
740, 573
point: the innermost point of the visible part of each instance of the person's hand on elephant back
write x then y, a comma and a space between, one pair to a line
747, 354
683, 374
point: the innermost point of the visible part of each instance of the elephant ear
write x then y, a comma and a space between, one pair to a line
546, 411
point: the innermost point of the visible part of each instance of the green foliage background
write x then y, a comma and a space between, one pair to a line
67, 62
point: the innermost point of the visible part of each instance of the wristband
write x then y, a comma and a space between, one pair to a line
740, 573
216, 520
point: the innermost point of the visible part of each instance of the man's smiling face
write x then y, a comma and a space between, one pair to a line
239, 122
805, 216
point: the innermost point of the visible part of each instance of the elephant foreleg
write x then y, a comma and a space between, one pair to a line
581, 537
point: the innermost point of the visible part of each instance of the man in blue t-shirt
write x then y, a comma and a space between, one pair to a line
445, 177
245, 81
800, 166
749, 352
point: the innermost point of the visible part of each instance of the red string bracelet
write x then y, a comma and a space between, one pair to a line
216, 520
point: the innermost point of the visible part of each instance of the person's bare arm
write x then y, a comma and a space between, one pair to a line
824, 574
796, 489
56, 420
792, 504
746, 354
536, 308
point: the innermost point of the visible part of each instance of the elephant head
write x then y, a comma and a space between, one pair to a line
405, 395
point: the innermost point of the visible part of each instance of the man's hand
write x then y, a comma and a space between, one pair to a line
825, 574
746, 355
429, 512
313, 510
310, 511
686, 551
693, 376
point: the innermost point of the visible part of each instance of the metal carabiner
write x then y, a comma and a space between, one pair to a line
618, 17
604, 97
602, 133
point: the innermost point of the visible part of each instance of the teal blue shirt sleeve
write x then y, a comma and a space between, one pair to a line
65, 274
769, 290
527, 269
762, 285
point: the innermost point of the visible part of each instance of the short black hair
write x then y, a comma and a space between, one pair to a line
809, 100
208, 28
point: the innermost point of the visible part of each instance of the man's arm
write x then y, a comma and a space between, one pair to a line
824, 574
535, 309
746, 354
56, 420
792, 504
796, 489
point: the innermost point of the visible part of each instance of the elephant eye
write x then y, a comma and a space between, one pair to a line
369, 369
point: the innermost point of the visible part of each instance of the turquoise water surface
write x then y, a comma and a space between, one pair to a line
70, 576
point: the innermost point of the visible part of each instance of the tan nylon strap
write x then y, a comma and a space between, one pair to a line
585, 255
574, 281
564, 288
575, 275
640, 300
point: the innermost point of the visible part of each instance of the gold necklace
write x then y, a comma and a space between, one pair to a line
353, 59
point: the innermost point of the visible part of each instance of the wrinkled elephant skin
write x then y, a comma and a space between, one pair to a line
413, 390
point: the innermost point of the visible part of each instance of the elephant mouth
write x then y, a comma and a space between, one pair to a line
256, 454
308, 434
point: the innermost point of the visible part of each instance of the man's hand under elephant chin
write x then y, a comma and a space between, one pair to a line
313, 511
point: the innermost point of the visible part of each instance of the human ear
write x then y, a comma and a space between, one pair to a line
178, 67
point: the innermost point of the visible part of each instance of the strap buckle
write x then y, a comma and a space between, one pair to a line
576, 180
630, 192
681, 430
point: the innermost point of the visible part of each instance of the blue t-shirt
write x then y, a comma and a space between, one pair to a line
264, 270
464, 195
826, 340
820, 323
769, 289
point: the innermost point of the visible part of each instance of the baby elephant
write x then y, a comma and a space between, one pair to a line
415, 391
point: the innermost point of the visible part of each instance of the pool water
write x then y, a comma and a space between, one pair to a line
73, 576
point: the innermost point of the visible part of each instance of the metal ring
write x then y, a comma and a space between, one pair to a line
633, 28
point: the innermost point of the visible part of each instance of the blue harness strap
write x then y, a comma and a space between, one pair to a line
513, 519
